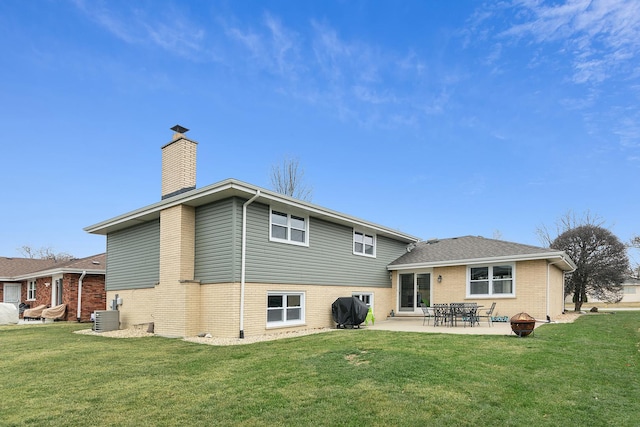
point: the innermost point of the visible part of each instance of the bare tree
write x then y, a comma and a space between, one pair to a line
565, 223
44, 253
288, 178
601, 260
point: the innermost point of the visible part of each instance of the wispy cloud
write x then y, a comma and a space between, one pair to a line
182, 37
628, 130
355, 79
601, 36
272, 46
591, 45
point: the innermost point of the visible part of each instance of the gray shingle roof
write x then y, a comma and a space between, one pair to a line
468, 248
11, 268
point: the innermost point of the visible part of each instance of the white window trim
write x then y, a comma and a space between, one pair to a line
285, 323
375, 243
288, 239
30, 290
491, 294
369, 294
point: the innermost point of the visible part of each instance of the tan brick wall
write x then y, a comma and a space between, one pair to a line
178, 165
531, 290
138, 306
215, 308
176, 296
221, 307
453, 287
556, 306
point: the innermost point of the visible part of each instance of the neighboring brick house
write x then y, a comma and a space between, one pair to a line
77, 283
233, 258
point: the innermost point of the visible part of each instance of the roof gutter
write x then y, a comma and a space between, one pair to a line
78, 313
243, 262
506, 258
53, 272
229, 188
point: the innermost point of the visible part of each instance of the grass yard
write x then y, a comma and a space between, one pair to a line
584, 373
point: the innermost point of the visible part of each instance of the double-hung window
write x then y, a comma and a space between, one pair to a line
31, 290
365, 297
289, 228
491, 280
285, 308
364, 244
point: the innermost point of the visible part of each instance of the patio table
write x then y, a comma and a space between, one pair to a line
450, 313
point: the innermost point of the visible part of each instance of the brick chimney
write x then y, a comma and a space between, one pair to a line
177, 294
178, 164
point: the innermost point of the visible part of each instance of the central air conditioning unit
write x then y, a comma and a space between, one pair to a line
106, 320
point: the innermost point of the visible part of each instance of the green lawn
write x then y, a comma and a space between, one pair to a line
584, 373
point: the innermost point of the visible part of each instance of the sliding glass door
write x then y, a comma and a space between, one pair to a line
413, 289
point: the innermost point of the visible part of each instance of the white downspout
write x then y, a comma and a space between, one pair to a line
243, 262
78, 313
549, 264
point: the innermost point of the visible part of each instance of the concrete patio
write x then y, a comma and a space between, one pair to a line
414, 324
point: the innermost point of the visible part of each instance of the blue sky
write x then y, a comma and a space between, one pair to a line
440, 119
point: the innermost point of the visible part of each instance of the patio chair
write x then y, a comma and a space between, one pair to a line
488, 314
428, 313
464, 312
56, 313
441, 314
34, 313
22, 307
469, 313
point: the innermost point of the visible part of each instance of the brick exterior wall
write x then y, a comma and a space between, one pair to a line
178, 165
218, 308
93, 294
224, 299
177, 295
556, 294
43, 292
138, 306
531, 290
191, 308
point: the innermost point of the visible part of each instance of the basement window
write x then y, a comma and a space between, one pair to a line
285, 309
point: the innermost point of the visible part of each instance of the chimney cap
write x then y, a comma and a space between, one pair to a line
179, 129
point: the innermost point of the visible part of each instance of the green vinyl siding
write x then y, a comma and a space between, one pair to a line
328, 260
217, 257
133, 257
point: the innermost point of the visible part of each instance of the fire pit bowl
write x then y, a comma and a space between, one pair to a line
522, 324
